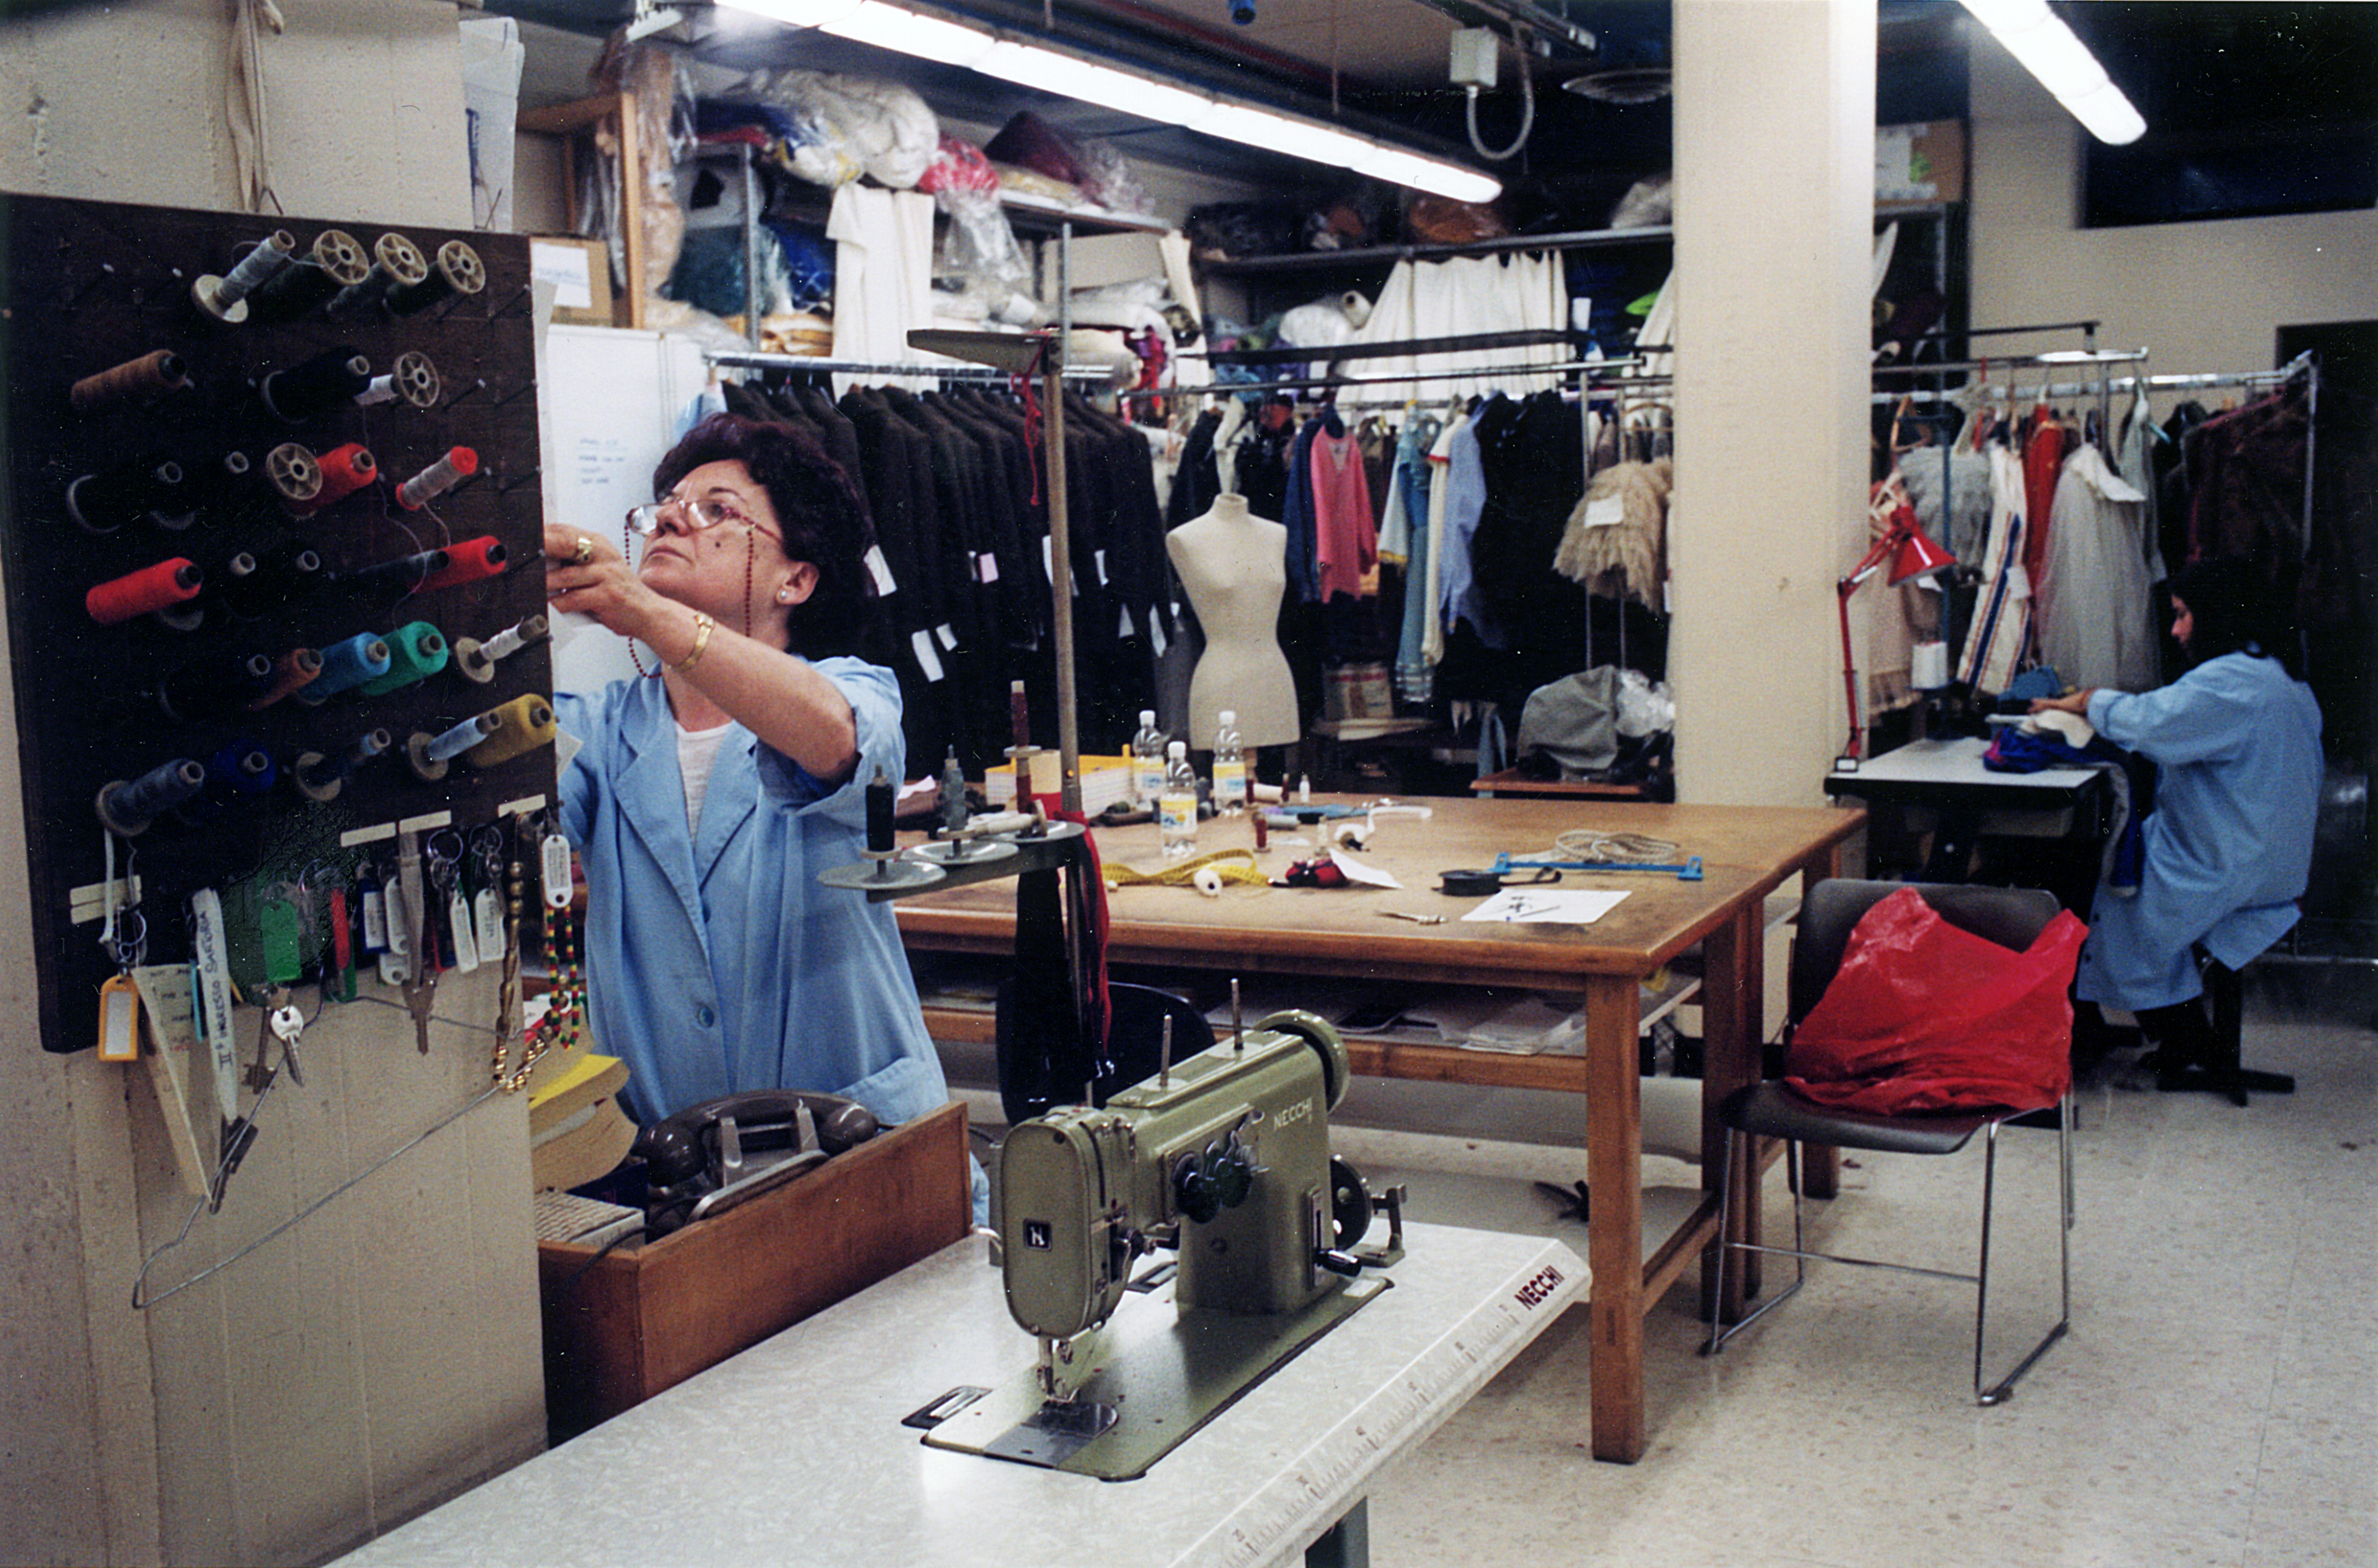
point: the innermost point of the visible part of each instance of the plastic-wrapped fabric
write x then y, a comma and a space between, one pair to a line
1030, 142
958, 164
833, 127
1243, 228
1109, 180
1926, 1016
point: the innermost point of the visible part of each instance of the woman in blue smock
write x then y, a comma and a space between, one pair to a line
705, 798
2236, 744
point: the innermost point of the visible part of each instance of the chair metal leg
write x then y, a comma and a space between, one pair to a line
1996, 1393
1720, 1330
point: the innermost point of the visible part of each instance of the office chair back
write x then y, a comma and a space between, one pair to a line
2012, 918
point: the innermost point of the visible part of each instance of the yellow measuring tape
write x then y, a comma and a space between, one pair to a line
1230, 864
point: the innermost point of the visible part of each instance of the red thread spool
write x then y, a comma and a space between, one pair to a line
345, 470
457, 465
466, 562
159, 587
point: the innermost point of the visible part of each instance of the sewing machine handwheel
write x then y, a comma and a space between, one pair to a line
1349, 1203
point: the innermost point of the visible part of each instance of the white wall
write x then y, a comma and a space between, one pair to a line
2203, 297
382, 1353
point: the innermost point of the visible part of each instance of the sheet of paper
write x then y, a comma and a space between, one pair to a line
1362, 874
1551, 907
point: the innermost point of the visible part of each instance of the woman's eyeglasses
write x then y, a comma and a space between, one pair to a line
699, 514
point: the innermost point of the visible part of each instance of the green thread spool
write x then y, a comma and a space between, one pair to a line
416, 651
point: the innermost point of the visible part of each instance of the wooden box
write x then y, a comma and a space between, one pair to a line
624, 1325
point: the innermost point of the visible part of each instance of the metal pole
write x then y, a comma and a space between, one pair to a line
1061, 543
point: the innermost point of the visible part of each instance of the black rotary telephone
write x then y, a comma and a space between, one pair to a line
709, 1158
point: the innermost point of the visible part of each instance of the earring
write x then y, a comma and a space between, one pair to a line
784, 595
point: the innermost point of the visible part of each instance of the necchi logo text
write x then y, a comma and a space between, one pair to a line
1540, 1289
1302, 1110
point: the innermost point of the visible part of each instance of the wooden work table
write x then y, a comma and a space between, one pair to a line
1746, 853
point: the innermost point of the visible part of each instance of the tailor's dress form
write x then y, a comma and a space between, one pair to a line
1233, 566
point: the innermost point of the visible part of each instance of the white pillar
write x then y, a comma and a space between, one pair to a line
1774, 156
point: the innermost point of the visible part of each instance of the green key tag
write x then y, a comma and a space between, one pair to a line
280, 932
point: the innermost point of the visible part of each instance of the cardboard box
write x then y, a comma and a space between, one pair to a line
622, 1325
580, 271
1921, 162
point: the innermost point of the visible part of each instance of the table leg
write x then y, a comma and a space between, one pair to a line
1614, 1159
1733, 971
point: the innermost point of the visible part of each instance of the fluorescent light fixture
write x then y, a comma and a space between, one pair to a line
896, 28
912, 33
1070, 76
1280, 133
2046, 48
797, 12
1434, 175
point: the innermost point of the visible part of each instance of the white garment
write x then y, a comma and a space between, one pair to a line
696, 751
884, 279
1462, 297
2092, 608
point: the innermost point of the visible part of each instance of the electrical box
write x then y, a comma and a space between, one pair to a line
270, 525
1475, 53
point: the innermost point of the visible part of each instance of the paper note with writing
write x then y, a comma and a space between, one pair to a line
1534, 907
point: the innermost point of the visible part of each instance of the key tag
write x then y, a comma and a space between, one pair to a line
374, 909
553, 860
459, 942
119, 1019
458, 922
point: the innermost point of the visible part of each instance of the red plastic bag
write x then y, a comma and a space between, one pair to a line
1926, 1016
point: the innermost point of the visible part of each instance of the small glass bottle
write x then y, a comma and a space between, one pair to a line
1146, 761
1229, 766
1176, 808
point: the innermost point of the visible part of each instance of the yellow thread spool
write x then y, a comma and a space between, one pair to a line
524, 723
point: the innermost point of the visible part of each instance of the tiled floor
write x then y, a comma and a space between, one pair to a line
2217, 1402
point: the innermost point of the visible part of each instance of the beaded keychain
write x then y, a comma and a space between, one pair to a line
564, 1020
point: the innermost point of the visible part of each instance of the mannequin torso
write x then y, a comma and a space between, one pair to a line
1233, 566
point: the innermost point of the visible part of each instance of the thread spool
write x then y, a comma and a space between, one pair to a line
150, 487
136, 380
431, 755
524, 723
469, 561
333, 261
304, 390
126, 809
457, 465
344, 470
240, 770
282, 574
176, 580
225, 298
416, 651
317, 777
214, 688
297, 667
415, 380
411, 570
223, 483
395, 260
456, 270
477, 661
294, 474
346, 664
880, 838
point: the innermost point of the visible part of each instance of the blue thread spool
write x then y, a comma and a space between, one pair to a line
364, 656
127, 808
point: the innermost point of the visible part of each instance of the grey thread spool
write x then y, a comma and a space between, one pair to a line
456, 271
332, 262
225, 298
396, 262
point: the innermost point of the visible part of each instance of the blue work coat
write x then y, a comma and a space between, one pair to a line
2228, 846
717, 962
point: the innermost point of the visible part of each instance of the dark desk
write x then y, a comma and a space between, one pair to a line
1746, 853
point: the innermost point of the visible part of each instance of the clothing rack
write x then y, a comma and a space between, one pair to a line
1330, 383
754, 359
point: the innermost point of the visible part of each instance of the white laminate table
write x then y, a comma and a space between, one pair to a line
793, 1452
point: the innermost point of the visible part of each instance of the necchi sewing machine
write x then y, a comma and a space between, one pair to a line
1223, 1159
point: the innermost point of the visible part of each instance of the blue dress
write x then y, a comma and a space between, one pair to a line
717, 962
2229, 845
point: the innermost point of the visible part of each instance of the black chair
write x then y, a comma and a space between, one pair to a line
2011, 916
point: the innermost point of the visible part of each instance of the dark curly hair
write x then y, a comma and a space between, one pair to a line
824, 521
2237, 610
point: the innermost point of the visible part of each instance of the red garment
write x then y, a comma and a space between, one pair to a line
2043, 459
1345, 529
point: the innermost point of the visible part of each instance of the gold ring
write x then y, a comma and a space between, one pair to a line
586, 549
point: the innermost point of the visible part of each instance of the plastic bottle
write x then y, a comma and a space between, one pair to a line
1229, 766
1176, 808
1146, 761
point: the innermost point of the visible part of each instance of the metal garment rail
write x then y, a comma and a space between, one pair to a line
754, 359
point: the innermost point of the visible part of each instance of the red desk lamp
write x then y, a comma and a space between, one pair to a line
1912, 554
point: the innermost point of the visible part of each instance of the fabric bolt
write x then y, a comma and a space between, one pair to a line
716, 962
883, 263
2000, 637
2229, 845
2092, 608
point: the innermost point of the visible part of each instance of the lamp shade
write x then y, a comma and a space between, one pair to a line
1916, 554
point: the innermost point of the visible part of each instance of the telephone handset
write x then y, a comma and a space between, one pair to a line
709, 1158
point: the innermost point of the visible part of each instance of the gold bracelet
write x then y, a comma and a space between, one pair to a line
701, 625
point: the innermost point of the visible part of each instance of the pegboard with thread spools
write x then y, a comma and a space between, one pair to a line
271, 523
